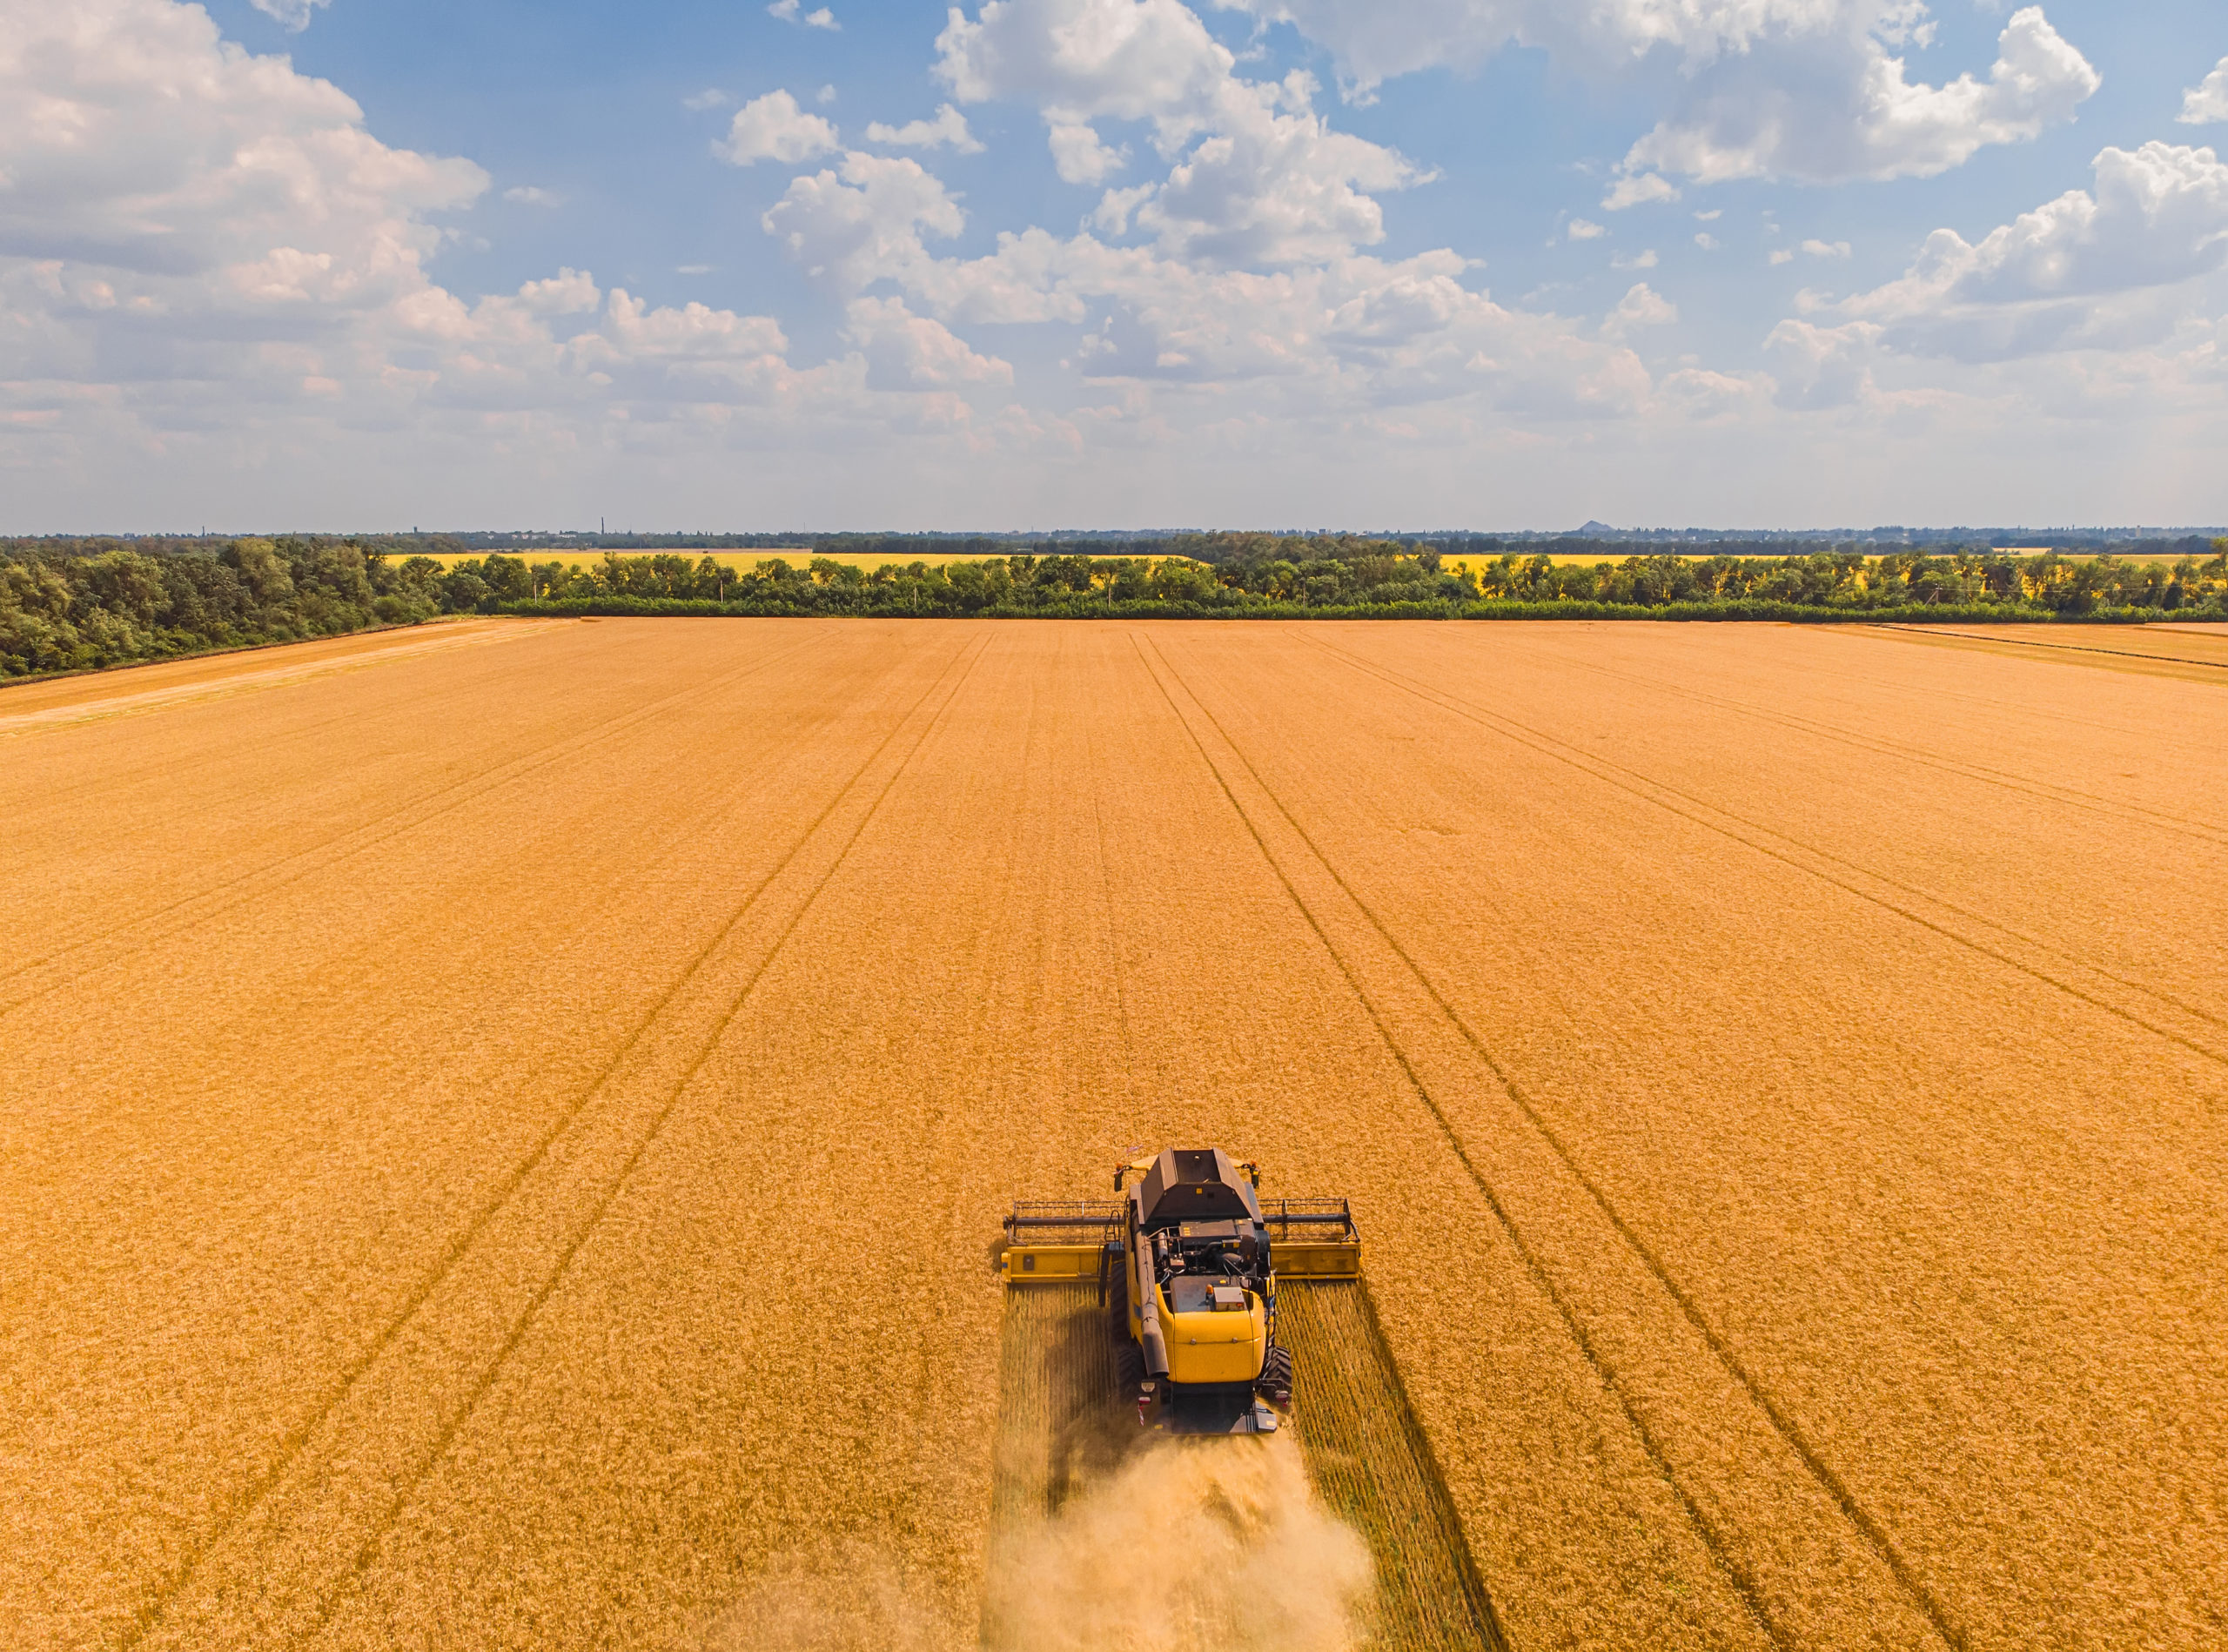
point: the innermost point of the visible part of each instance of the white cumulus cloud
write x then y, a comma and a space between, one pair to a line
862, 221
567, 292
1128, 59
1816, 90
949, 128
2206, 102
907, 351
534, 195
293, 14
1255, 175
1818, 368
2157, 215
1837, 109
1080, 157
775, 128
1638, 189
1270, 187
162, 154
208, 263
2102, 268
1348, 338
1812, 248
1376, 42
1643, 306
792, 11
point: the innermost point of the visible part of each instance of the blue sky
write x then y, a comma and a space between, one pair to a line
1126, 263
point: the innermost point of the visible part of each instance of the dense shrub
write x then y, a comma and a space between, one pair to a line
74, 607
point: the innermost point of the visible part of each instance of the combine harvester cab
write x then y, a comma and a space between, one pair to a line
1188, 1262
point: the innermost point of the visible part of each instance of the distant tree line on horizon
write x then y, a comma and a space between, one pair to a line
1270, 575
86, 604
1204, 546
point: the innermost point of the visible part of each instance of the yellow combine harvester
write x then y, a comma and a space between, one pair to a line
1188, 1261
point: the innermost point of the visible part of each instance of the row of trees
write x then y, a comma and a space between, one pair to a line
1380, 575
91, 604
1283, 574
2050, 583
68, 609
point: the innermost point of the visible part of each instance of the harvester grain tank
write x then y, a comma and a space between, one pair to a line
1188, 1261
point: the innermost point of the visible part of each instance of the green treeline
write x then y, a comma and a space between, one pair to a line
2051, 584
80, 605
1268, 576
90, 606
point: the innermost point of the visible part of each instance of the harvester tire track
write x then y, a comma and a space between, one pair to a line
1466, 708
339, 848
150, 1615
2126, 814
1401, 680
1548, 746
1106, 887
486, 779
2054, 647
1874, 1535
367, 1552
1736, 1575
121, 779
1349, 1403
676, 829
247, 753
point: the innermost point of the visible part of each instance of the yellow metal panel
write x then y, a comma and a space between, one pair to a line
1215, 1346
1319, 1260
1050, 1264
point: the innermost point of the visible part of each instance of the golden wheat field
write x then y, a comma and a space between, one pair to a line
741, 562
503, 1127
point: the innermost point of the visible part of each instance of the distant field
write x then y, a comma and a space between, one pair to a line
1479, 563
796, 555
799, 555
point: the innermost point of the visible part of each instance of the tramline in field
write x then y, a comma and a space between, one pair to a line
1188, 1262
